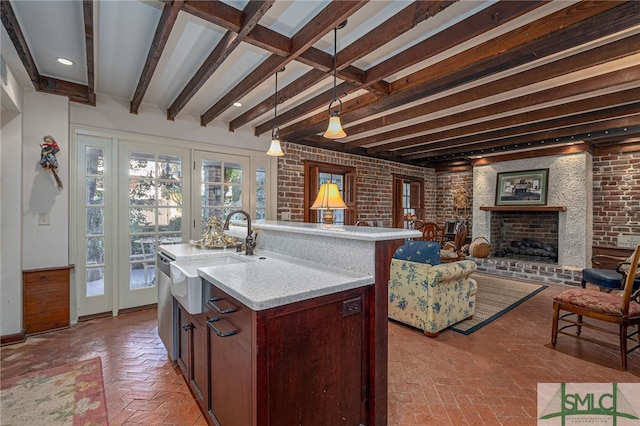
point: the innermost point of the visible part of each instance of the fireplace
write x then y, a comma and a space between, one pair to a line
525, 235
569, 196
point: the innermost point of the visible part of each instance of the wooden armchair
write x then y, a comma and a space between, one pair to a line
455, 254
433, 232
622, 308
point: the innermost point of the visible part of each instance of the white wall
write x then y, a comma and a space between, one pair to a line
113, 114
10, 207
45, 246
570, 185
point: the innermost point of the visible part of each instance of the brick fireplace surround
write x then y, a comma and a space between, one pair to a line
570, 187
509, 227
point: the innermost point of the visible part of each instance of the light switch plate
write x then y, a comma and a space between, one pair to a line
43, 219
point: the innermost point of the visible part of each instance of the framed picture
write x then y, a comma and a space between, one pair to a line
525, 188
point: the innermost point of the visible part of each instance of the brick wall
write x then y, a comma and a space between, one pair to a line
514, 226
446, 184
616, 189
616, 197
374, 182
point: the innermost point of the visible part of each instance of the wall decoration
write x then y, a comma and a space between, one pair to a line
48, 159
523, 188
461, 202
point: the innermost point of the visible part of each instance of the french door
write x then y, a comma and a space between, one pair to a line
151, 211
94, 209
131, 196
128, 201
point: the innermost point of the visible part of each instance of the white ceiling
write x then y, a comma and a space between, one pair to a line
124, 30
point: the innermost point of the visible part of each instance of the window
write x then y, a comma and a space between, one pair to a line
344, 176
408, 203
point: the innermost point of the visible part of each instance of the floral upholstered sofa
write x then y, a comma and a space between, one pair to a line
426, 294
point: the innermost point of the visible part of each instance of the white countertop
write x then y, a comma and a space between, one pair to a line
366, 233
272, 280
190, 251
290, 262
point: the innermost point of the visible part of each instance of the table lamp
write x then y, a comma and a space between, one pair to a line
328, 199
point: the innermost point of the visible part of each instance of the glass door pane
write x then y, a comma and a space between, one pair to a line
93, 264
409, 213
154, 185
261, 194
223, 187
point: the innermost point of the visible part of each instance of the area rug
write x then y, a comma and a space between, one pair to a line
66, 395
495, 297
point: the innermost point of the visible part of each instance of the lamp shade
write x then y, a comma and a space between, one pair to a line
334, 130
328, 198
275, 149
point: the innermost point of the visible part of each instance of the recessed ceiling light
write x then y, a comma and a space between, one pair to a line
237, 104
65, 61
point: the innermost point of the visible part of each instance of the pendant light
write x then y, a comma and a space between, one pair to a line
334, 130
275, 149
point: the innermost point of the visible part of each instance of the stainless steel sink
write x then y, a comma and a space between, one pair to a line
186, 284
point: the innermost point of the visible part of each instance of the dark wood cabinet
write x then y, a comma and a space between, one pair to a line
316, 359
46, 299
302, 363
229, 337
192, 352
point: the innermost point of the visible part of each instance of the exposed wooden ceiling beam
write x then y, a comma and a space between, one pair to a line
586, 131
230, 18
12, 26
579, 112
74, 91
87, 9
546, 45
331, 16
567, 91
395, 26
163, 30
252, 14
463, 68
292, 89
440, 42
398, 24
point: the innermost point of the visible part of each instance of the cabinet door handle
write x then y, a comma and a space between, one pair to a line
187, 327
211, 324
221, 310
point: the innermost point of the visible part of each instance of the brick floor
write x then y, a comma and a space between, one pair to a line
488, 377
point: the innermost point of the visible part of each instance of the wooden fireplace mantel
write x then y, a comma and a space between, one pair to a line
524, 208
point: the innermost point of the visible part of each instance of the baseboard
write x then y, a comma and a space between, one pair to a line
12, 339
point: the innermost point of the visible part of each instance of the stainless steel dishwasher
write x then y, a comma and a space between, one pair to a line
165, 304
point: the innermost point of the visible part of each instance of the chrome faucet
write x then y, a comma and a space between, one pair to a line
249, 242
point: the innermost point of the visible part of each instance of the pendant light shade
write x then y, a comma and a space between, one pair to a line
275, 149
335, 130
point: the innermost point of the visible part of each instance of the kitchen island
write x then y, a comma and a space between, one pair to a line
298, 335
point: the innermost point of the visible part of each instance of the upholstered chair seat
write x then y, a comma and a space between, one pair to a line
606, 279
597, 301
